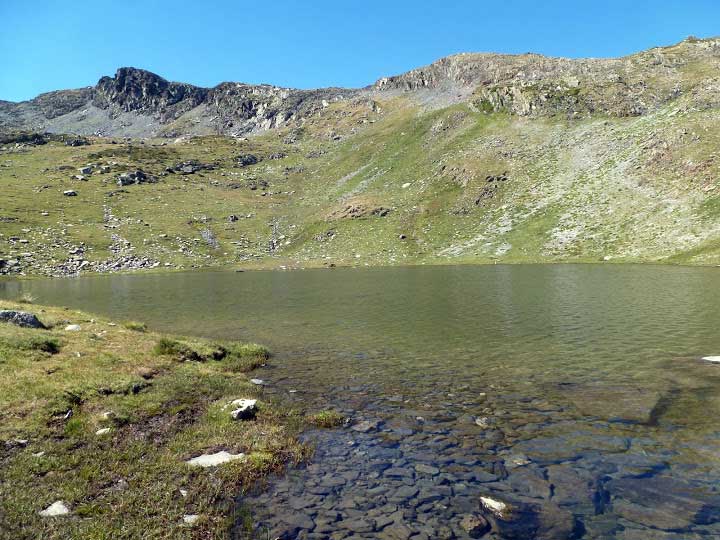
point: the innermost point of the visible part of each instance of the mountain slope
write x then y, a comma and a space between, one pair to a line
476, 158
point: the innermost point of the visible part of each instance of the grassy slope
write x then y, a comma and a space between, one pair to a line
633, 189
125, 484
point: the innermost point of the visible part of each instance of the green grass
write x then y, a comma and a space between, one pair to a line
326, 419
160, 411
136, 326
603, 172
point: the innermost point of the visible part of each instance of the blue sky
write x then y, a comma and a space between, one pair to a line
47, 45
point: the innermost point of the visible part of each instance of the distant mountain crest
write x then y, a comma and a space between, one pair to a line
136, 102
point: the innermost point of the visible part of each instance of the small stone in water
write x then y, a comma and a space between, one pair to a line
493, 505
474, 525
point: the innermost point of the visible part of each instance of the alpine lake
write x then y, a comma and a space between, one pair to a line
518, 402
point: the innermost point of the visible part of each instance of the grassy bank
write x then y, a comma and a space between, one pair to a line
104, 418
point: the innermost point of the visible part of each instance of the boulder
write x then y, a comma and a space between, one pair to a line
70, 193
243, 409
244, 160
20, 318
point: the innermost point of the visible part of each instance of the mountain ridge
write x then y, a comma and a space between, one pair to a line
138, 102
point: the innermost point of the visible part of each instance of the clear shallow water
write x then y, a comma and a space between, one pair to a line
575, 394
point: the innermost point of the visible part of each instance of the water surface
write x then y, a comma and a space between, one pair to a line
575, 393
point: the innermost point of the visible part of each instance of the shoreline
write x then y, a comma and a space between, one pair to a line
102, 422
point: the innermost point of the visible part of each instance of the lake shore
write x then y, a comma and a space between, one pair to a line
106, 429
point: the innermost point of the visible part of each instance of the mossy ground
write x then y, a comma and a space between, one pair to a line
162, 409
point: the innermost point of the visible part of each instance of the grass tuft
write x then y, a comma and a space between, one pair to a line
135, 326
326, 419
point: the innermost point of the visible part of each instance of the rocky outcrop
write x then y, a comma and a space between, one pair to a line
536, 85
137, 90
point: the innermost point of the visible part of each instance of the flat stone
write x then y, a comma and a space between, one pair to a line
103, 431
258, 382
365, 426
212, 460
72, 328
426, 469
58, 508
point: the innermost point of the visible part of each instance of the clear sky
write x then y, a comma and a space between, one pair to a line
54, 44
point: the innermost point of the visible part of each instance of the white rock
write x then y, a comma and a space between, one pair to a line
190, 519
257, 381
493, 505
406, 185
243, 409
103, 431
713, 359
72, 328
58, 508
212, 460
482, 422
183, 492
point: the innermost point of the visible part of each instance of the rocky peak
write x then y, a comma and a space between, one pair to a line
139, 90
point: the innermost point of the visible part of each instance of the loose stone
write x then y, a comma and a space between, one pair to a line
58, 508
213, 460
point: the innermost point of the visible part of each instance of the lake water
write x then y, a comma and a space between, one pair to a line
575, 395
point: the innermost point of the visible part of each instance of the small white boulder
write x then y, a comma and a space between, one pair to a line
258, 382
58, 508
72, 328
713, 359
212, 460
190, 519
242, 409
103, 431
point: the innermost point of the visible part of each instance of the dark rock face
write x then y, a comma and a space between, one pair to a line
138, 90
21, 318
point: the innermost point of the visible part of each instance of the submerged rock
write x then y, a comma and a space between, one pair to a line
475, 526
663, 502
20, 318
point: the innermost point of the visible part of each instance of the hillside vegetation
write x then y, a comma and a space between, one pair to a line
478, 158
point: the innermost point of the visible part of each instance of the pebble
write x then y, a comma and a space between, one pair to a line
103, 431
190, 519
258, 382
